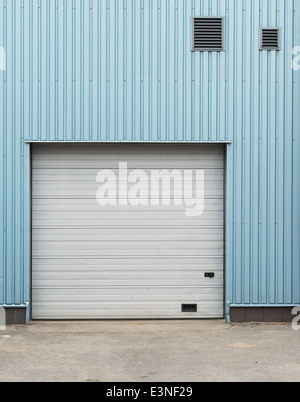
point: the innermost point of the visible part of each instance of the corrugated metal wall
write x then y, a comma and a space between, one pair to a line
15, 157
122, 70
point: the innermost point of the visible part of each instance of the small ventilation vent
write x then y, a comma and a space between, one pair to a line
270, 39
189, 308
208, 34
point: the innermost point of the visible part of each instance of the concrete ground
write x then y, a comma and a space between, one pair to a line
185, 351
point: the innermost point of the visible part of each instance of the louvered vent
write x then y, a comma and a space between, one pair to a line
269, 38
208, 34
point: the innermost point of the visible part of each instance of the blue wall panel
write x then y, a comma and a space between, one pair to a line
122, 70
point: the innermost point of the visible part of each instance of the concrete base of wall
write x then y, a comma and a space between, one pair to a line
15, 316
261, 314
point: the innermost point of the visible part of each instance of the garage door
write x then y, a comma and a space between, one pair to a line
109, 242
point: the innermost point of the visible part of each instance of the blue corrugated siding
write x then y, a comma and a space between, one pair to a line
108, 70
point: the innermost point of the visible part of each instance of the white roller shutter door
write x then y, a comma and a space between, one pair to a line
150, 261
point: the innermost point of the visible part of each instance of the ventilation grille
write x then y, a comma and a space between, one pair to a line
208, 34
189, 308
270, 38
